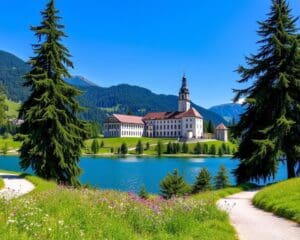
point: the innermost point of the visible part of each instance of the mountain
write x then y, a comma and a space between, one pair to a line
12, 70
230, 111
80, 81
125, 98
98, 101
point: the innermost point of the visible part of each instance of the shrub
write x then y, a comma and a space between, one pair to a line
95, 146
5, 148
205, 148
213, 149
176, 148
112, 150
173, 185
102, 144
169, 148
139, 149
222, 179
220, 152
159, 148
143, 193
147, 146
203, 181
185, 148
124, 148
198, 148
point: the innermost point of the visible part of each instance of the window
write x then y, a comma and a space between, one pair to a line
186, 126
191, 125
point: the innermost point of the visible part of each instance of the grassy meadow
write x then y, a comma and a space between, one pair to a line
283, 199
57, 212
1, 183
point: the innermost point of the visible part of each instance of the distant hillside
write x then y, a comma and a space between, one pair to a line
97, 100
229, 111
137, 100
80, 81
12, 70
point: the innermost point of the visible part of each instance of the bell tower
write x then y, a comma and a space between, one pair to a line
184, 103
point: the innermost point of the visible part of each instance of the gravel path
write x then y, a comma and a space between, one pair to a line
252, 223
15, 186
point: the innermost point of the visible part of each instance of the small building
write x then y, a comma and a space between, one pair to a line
221, 132
119, 125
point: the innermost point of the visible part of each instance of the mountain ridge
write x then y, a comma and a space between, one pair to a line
99, 101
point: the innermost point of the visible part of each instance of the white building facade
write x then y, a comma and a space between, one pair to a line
186, 123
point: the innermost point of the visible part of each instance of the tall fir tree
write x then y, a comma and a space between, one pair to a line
53, 133
269, 128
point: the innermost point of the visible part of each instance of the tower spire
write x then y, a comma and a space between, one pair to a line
184, 96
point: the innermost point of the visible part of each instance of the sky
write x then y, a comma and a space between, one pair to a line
149, 43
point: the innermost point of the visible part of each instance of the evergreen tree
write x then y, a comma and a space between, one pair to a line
210, 127
269, 130
123, 148
198, 148
178, 148
53, 133
203, 181
213, 149
159, 148
224, 147
139, 149
175, 148
205, 148
220, 152
185, 147
222, 179
143, 193
102, 144
169, 148
173, 185
95, 146
147, 146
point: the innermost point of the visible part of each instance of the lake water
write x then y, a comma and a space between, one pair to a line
128, 174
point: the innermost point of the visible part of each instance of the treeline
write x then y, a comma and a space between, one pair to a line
174, 185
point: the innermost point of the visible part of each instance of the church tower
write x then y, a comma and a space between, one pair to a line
184, 103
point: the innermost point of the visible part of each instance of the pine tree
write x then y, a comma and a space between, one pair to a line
198, 148
173, 185
95, 146
123, 148
139, 149
53, 133
269, 130
205, 148
143, 193
203, 181
147, 146
159, 148
185, 148
220, 152
169, 148
213, 149
210, 127
222, 179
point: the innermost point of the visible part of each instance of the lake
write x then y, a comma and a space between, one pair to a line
128, 174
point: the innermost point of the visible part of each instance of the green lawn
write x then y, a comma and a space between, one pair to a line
10, 143
1, 183
282, 198
52, 212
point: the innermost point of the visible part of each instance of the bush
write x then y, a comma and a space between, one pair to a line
159, 148
95, 146
185, 148
205, 148
213, 150
5, 148
220, 152
143, 193
169, 148
203, 181
173, 185
222, 179
139, 149
147, 146
198, 148
102, 144
124, 148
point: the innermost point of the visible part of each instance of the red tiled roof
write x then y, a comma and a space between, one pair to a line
192, 112
129, 119
221, 127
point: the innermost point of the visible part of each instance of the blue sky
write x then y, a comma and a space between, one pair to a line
149, 43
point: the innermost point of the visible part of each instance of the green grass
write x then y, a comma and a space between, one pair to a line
1, 183
52, 212
11, 144
283, 199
